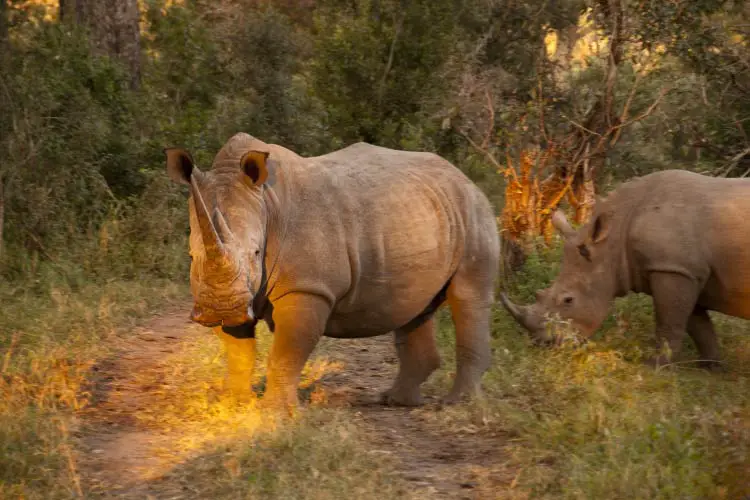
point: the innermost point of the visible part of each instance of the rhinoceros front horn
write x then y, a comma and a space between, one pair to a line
211, 241
518, 312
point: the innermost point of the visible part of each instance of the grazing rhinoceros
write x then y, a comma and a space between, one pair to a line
355, 243
681, 237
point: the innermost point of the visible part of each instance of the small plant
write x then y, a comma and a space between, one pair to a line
562, 331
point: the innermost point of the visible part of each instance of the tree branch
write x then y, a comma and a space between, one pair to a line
734, 161
391, 54
664, 91
491, 124
485, 152
625, 109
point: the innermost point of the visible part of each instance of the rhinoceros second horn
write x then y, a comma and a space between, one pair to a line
560, 222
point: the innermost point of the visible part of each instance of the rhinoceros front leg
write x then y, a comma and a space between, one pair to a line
674, 296
240, 351
418, 357
300, 322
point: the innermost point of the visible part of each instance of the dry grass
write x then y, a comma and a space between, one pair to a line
217, 447
580, 421
49, 343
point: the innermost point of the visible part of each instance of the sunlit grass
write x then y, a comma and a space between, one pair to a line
187, 397
49, 341
219, 447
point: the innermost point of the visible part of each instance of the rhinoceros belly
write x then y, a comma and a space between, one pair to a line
399, 261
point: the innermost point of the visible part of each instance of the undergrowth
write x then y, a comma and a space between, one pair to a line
50, 341
591, 422
581, 421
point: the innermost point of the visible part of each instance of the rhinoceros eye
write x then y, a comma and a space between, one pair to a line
568, 300
584, 251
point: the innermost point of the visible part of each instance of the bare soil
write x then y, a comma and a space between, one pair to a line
123, 456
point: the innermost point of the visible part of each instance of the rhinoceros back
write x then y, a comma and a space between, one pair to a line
694, 225
381, 232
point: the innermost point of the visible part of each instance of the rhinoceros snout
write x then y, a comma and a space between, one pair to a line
202, 317
211, 319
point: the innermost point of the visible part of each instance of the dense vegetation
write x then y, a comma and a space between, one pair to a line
93, 235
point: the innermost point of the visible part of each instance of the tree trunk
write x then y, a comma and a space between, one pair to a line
114, 29
2, 216
598, 134
4, 43
3, 23
585, 192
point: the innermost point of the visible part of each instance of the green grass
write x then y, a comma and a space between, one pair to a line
592, 422
581, 422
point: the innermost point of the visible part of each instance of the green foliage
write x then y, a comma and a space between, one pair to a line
705, 46
64, 107
591, 422
377, 62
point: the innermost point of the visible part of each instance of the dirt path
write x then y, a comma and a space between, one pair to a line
123, 455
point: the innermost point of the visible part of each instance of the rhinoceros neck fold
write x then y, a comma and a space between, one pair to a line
277, 228
619, 280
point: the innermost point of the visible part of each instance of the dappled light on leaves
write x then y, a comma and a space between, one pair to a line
532, 193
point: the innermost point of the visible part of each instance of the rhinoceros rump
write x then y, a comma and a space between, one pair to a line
356, 243
678, 236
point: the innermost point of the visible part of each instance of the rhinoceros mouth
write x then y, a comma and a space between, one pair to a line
212, 318
208, 324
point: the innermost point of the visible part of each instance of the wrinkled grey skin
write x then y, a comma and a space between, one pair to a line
356, 243
678, 236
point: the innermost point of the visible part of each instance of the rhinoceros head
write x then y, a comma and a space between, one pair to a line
227, 233
585, 287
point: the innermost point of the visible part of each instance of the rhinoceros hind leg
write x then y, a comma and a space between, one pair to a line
674, 297
418, 357
701, 330
470, 304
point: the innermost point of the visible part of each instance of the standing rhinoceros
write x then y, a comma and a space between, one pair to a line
681, 237
355, 243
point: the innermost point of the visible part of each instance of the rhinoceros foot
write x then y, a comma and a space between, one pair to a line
456, 397
397, 397
238, 387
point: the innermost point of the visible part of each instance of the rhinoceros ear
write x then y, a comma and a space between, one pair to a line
600, 227
255, 166
180, 165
